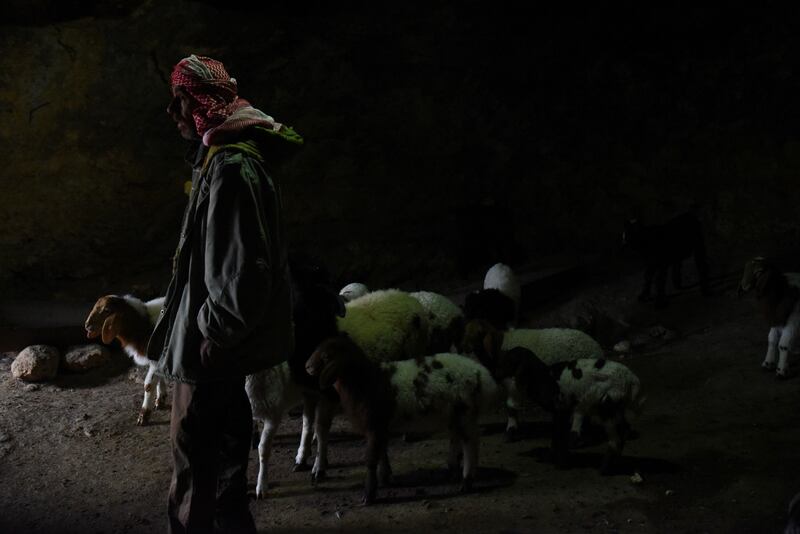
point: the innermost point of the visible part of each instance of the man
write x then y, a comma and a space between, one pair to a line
227, 311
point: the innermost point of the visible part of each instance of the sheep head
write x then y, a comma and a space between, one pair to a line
757, 274
483, 340
331, 357
104, 319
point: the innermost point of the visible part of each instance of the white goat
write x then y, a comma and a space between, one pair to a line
131, 321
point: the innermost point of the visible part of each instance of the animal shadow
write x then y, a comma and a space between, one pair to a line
624, 465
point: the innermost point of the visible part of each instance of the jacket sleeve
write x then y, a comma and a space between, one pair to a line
237, 262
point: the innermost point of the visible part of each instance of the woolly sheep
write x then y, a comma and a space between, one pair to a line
603, 390
353, 291
131, 321
427, 395
445, 321
551, 345
501, 277
387, 324
779, 297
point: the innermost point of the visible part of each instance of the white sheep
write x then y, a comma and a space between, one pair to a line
551, 345
607, 392
272, 392
131, 321
387, 324
445, 321
778, 294
427, 395
353, 290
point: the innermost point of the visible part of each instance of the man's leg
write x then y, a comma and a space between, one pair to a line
233, 511
195, 444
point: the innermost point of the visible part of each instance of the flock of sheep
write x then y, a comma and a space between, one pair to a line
394, 361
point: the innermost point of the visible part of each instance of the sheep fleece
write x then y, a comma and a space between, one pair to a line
428, 393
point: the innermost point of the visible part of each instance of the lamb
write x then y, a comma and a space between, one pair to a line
131, 321
779, 297
552, 345
273, 391
387, 324
444, 390
445, 321
664, 246
603, 390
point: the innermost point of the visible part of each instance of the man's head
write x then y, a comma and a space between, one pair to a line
204, 95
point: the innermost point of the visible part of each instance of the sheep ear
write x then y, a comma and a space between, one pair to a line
109, 331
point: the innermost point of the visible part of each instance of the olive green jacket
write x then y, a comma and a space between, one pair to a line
230, 279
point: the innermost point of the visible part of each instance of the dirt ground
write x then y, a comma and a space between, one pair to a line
716, 447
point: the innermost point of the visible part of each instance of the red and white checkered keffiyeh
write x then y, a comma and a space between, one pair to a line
220, 112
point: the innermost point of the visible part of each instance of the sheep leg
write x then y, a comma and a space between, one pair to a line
161, 393
784, 347
772, 349
322, 428
512, 402
661, 287
649, 271
453, 459
147, 403
615, 430
376, 449
306, 435
264, 453
385, 469
470, 443
575, 430
676, 274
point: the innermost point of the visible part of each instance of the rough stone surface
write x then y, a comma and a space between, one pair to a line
83, 358
36, 363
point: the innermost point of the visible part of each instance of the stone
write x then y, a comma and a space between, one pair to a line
36, 363
84, 357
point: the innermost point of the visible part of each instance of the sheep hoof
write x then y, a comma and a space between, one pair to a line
261, 494
575, 441
512, 434
368, 499
160, 404
782, 374
317, 476
299, 467
144, 417
466, 486
768, 366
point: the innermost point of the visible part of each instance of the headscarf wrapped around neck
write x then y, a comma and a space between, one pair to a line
220, 111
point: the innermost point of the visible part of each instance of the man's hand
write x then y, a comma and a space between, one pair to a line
212, 356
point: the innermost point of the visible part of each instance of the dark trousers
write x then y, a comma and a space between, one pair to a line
211, 431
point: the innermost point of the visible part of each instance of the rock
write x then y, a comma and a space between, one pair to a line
36, 363
623, 347
636, 478
85, 357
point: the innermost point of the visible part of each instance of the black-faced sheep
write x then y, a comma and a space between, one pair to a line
442, 391
664, 246
131, 321
779, 297
315, 308
605, 391
551, 345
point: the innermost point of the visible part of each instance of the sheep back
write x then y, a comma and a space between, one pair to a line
445, 320
271, 391
387, 324
592, 383
437, 389
553, 345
